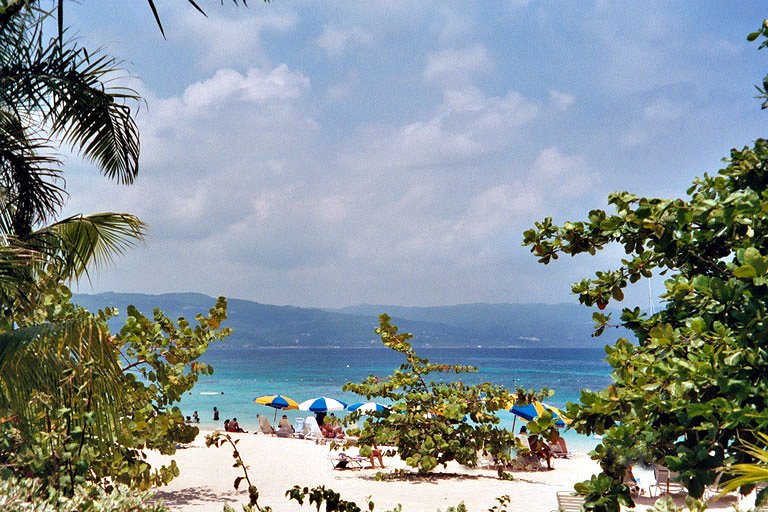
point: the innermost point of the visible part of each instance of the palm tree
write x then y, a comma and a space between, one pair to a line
54, 93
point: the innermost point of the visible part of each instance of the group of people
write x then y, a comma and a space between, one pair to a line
330, 426
233, 426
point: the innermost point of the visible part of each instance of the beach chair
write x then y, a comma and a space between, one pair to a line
714, 489
485, 460
344, 461
559, 449
312, 430
298, 425
264, 426
569, 502
665, 483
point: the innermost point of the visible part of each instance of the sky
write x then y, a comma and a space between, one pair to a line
328, 153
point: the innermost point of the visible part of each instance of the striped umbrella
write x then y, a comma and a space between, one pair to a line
368, 407
277, 402
530, 411
322, 404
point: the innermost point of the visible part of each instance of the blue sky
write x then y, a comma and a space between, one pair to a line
323, 153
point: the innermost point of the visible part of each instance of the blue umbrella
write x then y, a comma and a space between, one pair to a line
530, 411
322, 404
368, 407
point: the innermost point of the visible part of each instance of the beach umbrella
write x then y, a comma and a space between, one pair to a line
322, 404
368, 407
533, 410
277, 402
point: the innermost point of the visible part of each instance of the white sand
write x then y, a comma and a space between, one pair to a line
277, 464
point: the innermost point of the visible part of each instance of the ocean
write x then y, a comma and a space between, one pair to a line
243, 373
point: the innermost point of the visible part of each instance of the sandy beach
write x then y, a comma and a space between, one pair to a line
277, 464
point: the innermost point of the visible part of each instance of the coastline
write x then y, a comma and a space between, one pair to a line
277, 464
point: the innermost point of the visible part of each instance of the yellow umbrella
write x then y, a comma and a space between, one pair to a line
277, 402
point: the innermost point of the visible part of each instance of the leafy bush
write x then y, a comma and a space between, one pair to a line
32, 495
694, 383
434, 422
81, 430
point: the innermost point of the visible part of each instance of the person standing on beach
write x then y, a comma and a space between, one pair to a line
215, 414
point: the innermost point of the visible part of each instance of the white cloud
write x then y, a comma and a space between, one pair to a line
560, 176
465, 125
457, 65
336, 41
256, 86
343, 89
561, 100
662, 110
222, 40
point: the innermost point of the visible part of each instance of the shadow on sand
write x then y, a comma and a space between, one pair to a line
190, 495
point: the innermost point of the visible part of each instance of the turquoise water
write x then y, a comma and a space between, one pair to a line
241, 374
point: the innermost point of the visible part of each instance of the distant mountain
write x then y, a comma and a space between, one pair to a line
499, 324
258, 324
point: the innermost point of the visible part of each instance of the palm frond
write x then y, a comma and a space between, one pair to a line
40, 359
71, 89
29, 178
750, 474
82, 241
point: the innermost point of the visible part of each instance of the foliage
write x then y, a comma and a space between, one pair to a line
667, 504
66, 433
320, 496
502, 505
28, 494
70, 413
761, 32
53, 94
693, 387
461, 507
433, 422
695, 382
604, 493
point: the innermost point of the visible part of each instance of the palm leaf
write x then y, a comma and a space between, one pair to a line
29, 177
71, 89
40, 360
81, 241
750, 474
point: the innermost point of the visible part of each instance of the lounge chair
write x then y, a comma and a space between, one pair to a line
485, 460
344, 461
569, 502
665, 483
559, 449
312, 430
264, 426
298, 426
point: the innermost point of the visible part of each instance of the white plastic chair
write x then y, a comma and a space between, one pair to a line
311, 429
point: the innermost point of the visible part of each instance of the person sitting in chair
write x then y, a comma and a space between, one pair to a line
284, 427
538, 447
